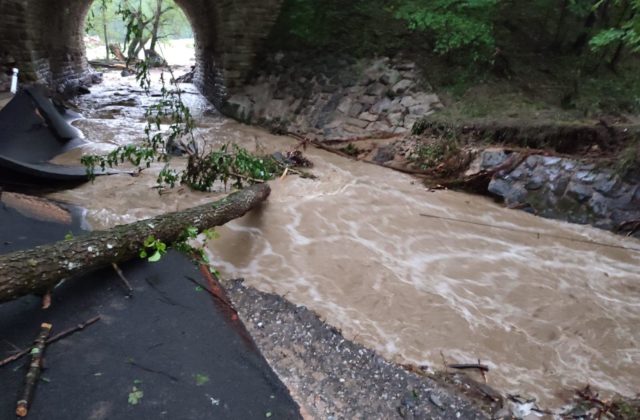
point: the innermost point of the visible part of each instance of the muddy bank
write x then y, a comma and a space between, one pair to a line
585, 173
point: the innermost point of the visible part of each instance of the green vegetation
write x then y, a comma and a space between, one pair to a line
201, 379
351, 150
492, 57
229, 163
629, 158
134, 25
454, 26
135, 396
153, 250
431, 153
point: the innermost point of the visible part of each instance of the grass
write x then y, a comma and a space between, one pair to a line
430, 153
628, 158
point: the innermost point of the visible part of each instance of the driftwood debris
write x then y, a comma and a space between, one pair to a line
38, 270
479, 366
53, 339
33, 374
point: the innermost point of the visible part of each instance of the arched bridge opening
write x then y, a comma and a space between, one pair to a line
44, 39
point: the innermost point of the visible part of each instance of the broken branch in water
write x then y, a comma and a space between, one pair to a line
33, 374
53, 339
484, 376
483, 368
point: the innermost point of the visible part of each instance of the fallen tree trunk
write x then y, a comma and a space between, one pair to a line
39, 269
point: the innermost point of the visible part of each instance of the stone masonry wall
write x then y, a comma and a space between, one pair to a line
564, 188
335, 98
44, 39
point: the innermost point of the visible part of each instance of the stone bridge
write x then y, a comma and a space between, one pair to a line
44, 38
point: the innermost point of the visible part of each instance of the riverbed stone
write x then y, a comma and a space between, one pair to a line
390, 77
385, 154
367, 116
396, 106
580, 192
241, 107
381, 106
357, 123
379, 127
550, 160
605, 183
493, 157
421, 110
408, 101
429, 99
410, 120
565, 189
376, 89
585, 176
355, 110
368, 99
599, 204
401, 87
532, 161
395, 119
535, 183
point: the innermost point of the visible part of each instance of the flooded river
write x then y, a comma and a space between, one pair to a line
411, 273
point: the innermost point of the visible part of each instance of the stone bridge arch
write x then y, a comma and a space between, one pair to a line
45, 39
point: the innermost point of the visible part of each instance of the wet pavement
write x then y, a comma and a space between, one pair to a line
168, 351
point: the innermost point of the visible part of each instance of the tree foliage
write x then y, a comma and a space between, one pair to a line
134, 23
471, 31
626, 31
454, 25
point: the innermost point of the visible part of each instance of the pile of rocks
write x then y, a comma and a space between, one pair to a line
566, 189
338, 100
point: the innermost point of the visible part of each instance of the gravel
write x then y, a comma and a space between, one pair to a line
333, 378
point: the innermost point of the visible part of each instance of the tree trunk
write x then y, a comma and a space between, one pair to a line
156, 25
39, 269
104, 29
557, 39
117, 52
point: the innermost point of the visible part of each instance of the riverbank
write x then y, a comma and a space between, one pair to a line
354, 247
385, 110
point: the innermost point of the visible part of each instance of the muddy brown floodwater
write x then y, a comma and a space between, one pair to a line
537, 300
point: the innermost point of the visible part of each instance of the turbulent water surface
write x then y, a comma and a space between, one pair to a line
408, 272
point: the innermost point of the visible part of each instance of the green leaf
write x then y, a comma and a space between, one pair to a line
135, 396
155, 257
192, 231
68, 236
201, 379
149, 241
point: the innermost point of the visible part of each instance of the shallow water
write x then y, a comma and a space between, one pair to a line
539, 301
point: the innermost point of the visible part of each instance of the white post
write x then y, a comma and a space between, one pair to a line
14, 81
